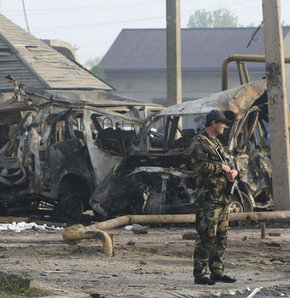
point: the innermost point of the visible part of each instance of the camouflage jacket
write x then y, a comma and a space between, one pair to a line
207, 166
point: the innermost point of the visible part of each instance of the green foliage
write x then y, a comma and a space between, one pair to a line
96, 68
252, 24
13, 287
221, 17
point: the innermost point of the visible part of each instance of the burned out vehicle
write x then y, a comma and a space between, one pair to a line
156, 176
56, 146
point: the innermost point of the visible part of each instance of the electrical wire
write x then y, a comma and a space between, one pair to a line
63, 28
78, 8
238, 5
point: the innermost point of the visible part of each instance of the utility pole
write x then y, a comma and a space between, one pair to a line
173, 45
277, 104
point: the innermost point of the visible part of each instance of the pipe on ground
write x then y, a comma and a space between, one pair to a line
74, 234
185, 218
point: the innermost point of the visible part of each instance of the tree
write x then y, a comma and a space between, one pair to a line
95, 67
221, 17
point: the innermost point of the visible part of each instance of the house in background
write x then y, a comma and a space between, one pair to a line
36, 63
136, 62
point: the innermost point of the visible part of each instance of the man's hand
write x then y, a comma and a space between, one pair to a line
231, 175
226, 168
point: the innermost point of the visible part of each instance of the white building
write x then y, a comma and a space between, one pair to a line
136, 62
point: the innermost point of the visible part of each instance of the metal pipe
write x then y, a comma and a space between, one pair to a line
183, 218
263, 230
246, 73
240, 58
144, 219
74, 234
240, 72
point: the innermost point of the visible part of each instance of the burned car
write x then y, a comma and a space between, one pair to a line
56, 146
156, 176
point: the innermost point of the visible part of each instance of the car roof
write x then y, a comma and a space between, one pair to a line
237, 100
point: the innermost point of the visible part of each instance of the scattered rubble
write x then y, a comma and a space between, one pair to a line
131, 242
189, 235
22, 226
158, 261
273, 244
139, 229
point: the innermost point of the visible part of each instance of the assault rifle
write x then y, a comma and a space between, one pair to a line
232, 185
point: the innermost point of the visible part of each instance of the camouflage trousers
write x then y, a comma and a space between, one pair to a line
211, 225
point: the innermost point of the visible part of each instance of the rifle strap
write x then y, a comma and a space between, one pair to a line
216, 149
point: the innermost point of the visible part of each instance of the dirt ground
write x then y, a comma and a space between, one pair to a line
156, 264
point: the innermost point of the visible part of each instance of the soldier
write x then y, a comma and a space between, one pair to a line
212, 178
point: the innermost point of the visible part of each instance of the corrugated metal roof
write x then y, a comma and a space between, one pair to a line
31, 61
11, 64
202, 48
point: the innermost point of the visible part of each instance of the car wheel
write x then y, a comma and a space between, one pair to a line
236, 206
70, 207
239, 205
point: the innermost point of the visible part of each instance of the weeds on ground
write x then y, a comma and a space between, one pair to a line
12, 287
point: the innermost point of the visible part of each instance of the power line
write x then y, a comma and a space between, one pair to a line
254, 34
239, 5
49, 28
77, 8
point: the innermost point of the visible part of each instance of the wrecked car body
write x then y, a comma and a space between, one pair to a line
56, 146
156, 176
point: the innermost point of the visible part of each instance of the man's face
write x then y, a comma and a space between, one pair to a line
218, 127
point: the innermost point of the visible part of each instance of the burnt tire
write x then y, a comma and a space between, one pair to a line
70, 208
238, 205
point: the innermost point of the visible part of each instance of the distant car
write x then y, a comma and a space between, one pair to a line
56, 147
156, 177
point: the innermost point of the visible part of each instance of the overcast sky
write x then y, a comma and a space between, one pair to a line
92, 25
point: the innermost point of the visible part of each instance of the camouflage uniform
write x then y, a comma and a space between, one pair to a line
212, 206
